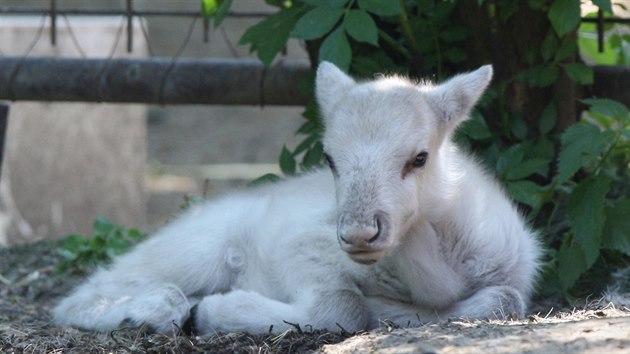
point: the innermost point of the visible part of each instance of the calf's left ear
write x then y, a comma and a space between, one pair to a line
453, 99
330, 85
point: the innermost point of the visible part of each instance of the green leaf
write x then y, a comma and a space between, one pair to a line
455, 55
309, 127
96, 242
564, 16
222, 12
586, 215
526, 192
548, 118
616, 235
269, 36
540, 75
329, 3
549, 47
361, 27
381, 7
567, 48
476, 129
507, 8
313, 156
306, 144
66, 254
317, 22
73, 241
376, 61
528, 168
102, 226
518, 127
509, 159
266, 178
579, 73
607, 107
336, 49
287, 162
209, 7
454, 33
538, 4
605, 5
136, 235
107, 240
311, 114
491, 154
543, 147
581, 145
519, 162
571, 265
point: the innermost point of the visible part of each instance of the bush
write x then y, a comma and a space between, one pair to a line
81, 253
568, 170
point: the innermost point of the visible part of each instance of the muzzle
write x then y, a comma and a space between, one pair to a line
365, 241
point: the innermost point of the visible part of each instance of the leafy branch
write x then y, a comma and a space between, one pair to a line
571, 180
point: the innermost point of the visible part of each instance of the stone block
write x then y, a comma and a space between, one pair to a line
66, 163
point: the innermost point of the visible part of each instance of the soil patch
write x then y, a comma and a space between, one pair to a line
30, 286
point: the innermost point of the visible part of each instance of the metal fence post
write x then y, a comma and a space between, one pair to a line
4, 118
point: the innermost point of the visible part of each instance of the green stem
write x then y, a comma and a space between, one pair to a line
404, 22
438, 50
503, 111
552, 216
622, 147
408, 33
607, 153
395, 45
349, 7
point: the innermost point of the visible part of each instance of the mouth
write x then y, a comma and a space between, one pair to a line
366, 257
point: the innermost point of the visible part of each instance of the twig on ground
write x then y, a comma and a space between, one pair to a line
294, 325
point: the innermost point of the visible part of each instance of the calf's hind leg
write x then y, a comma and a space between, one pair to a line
150, 285
103, 304
250, 311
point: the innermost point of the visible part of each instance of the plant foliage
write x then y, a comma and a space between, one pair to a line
569, 172
81, 253
572, 181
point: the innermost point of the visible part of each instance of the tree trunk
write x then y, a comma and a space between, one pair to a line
513, 45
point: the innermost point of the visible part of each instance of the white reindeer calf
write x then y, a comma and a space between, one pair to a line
405, 228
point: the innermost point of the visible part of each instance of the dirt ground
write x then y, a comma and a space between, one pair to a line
30, 285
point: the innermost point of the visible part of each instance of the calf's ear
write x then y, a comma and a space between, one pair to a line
453, 100
330, 84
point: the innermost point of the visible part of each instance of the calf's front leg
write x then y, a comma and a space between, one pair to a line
492, 302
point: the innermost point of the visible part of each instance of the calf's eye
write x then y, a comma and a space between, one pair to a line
420, 159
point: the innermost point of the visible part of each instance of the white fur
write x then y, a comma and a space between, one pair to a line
377, 239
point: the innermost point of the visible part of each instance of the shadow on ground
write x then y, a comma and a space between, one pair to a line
30, 285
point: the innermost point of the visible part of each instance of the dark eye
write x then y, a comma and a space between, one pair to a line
420, 159
330, 162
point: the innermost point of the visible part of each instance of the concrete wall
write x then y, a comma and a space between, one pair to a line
67, 163
190, 148
220, 138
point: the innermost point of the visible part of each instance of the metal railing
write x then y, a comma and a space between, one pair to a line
129, 12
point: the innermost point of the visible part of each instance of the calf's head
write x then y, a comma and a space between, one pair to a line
384, 141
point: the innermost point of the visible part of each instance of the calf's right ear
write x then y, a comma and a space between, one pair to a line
454, 99
330, 84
